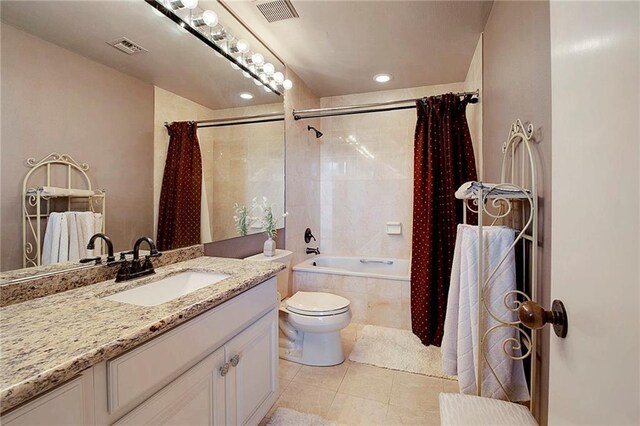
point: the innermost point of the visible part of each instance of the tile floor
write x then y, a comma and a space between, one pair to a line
353, 393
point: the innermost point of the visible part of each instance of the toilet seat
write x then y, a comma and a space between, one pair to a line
317, 304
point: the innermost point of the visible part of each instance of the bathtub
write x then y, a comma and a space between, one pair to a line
378, 288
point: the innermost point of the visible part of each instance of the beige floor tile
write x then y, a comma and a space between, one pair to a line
306, 399
351, 410
367, 382
416, 392
406, 416
288, 369
328, 378
450, 386
372, 370
283, 385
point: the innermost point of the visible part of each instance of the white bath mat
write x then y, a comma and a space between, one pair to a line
289, 417
397, 350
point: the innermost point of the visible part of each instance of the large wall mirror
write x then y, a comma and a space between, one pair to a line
67, 90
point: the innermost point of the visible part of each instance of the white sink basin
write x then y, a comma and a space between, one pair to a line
167, 289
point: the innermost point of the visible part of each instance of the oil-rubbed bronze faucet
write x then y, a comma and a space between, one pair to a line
98, 259
135, 268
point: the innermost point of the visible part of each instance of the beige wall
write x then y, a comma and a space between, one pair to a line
517, 84
238, 162
367, 173
54, 100
302, 170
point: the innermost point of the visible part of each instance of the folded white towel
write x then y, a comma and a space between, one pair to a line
68, 234
460, 342
54, 191
469, 190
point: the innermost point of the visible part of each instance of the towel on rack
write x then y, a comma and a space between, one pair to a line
55, 247
470, 190
461, 340
54, 191
82, 225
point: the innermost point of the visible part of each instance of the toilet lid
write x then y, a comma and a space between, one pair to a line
317, 303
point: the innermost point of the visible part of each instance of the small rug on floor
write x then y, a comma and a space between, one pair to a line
289, 417
397, 350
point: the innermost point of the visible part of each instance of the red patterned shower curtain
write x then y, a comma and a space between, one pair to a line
180, 209
443, 160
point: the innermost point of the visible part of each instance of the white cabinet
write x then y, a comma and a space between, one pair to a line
252, 381
69, 404
235, 385
195, 398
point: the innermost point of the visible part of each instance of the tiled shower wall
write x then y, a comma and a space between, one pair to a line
366, 174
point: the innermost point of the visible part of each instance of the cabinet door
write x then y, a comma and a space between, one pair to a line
195, 398
69, 404
252, 382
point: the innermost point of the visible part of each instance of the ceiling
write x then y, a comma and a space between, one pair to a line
337, 47
176, 61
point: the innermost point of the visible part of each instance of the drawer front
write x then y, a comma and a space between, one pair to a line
144, 370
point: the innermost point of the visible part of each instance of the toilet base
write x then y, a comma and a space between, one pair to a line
317, 349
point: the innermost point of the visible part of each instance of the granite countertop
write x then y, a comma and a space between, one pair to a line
49, 340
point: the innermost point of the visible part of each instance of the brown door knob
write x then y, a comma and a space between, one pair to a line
534, 316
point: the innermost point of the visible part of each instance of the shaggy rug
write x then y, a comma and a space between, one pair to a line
397, 350
289, 417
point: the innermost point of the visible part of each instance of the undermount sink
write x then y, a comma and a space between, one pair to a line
167, 289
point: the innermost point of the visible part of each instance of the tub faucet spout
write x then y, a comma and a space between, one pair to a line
313, 250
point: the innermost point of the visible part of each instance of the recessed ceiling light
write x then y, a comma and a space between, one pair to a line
246, 96
382, 78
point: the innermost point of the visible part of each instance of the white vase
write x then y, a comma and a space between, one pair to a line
269, 247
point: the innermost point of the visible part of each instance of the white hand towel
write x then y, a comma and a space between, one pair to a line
74, 240
461, 340
51, 243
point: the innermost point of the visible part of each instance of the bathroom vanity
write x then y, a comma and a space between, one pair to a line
207, 357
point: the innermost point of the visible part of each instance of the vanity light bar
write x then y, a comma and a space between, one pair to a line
204, 25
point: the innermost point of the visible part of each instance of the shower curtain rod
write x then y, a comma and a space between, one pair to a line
236, 121
366, 108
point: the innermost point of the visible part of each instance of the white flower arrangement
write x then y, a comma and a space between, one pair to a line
243, 218
269, 220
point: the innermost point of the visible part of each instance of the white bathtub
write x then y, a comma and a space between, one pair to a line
379, 289
371, 267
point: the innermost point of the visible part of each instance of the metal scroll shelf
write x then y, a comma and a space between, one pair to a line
37, 198
518, 210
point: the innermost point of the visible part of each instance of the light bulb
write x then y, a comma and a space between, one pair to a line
246, 74
287, 84
210, 18
263, 78
266, 89
234, 65
273, 85
190, 4
257, 59
278, 77
268, 68
242, 46
257, 82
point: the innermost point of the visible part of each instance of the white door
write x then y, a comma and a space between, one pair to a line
252, 381
594, 373
196, 398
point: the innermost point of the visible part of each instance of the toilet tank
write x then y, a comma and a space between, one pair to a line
282, 278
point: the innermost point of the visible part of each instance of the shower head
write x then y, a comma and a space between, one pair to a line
318, 132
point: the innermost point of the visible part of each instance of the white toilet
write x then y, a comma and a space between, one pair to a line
309, 321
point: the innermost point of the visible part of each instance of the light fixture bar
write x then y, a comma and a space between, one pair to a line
185, 25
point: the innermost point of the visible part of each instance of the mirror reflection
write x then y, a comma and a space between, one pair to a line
90, 92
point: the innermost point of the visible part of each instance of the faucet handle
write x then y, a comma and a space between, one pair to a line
123, 254
97, 259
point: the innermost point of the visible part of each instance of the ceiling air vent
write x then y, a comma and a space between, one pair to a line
277, 10
125, 45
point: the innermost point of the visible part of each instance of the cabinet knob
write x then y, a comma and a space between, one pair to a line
235, 360
224, 369
534, 316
